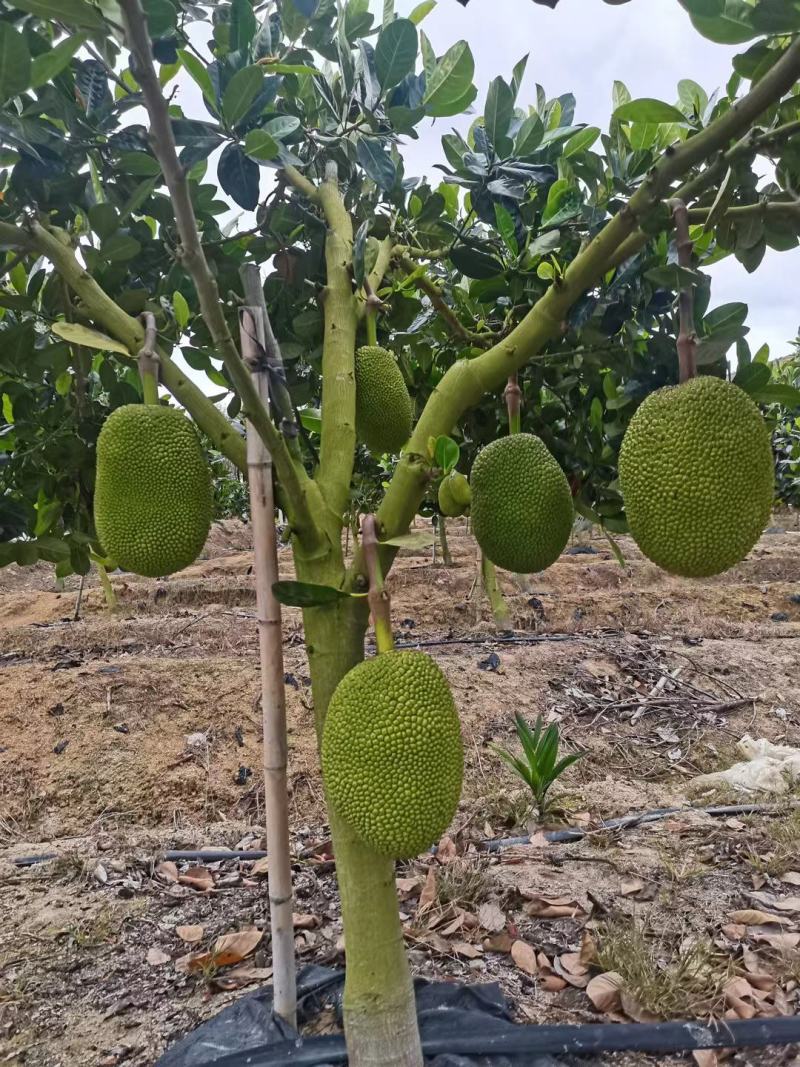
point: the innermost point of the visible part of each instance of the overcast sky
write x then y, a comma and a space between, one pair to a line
582, 47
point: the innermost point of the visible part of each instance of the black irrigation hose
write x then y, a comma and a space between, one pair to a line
557, 837
534, 1040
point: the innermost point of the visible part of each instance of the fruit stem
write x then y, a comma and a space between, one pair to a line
371, 321
687, 338
148, 359
513, 398
379, 603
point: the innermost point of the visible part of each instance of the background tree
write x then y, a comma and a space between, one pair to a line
546, 242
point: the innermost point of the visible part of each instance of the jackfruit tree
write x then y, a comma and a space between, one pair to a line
402, 304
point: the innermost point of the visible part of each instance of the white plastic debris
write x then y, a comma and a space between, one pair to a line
768, 768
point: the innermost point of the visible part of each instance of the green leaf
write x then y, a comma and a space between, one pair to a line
74, 12
120, 248
288, 68
529, 136
50, 64
450, 81
446, 453
242, 90
15, 62
776, 16
651, 111
260, 145
776, 393
377, 162
200, 76
161, 17
311, 419
506, 228
475, 264
421, 10
281, 126
498, 112
722, 21
306, 594
580, 141
181, 309
76, 334
517, 74
672, 277
396, 52
620, 95
752, 377
414, 541
239, 176
244, 26
725, 317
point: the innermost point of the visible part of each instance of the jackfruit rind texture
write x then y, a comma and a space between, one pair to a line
392, 755
153, 494
383, 406
522, 511
697, 476
454, 495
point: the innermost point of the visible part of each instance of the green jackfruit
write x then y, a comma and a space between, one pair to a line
383, 406
522, 511
454, 495
697, 476
391, 752
153, 495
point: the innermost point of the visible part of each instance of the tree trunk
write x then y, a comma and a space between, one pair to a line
447, 559
494, 595
379, 1008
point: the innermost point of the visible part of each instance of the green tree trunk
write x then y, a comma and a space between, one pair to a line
379, 1007
447, 559
494, 595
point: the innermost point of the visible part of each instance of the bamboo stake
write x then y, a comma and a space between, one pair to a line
273, 700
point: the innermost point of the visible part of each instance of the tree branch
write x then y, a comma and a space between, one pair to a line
129, 331
301, 183
687, 338
290, 473
467, 380
434, 293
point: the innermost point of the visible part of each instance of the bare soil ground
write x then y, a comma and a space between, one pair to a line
124, 735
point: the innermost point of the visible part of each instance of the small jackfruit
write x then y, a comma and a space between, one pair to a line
392, 755
383, 407
454, 495
522, 510
697, 476
153, 494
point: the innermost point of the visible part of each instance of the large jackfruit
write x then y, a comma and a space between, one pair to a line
697, 476
153, 494
383, 406
391, 752
522, 510
454, 495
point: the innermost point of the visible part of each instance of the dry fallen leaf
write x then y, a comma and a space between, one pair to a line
780, 942
428, 895
407, 886
305, 922
465, 949
156, 957
167, 871
501, 942
569, 967
446, 851
604, 991
199, 878
705, 1057
552, 983
553, 908
588, 953
260, 867
752, 917
741, 997
524, 955
778, 903
190, 934
232, 948
734, 931
634, 1010
491, 917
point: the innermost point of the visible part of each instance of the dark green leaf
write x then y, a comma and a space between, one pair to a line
396, 52
359, 249
752, 377
498, 112
260, 145
529, 136
243, 26
306, 594
162, 17
776, 393
722, 21
15, 62
377, 162
239, 176
475, 264
672, 277
76, 13
240, 93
